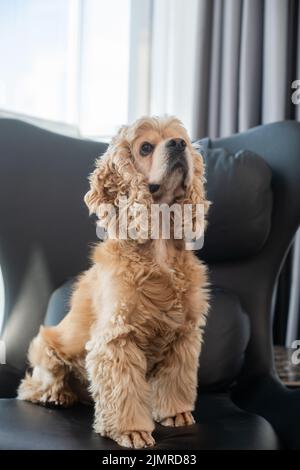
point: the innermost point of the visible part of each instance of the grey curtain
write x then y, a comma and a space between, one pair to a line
249, 57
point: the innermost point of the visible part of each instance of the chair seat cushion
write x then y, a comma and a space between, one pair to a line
226, 335
226, 338
221, 425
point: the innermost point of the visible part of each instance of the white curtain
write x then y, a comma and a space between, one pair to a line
175, 59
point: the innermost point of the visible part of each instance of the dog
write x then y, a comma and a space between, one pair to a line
134, 330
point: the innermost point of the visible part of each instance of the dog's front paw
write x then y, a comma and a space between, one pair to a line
63, 398
136, 439
181, 419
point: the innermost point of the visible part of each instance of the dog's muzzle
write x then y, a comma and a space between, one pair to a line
176, 155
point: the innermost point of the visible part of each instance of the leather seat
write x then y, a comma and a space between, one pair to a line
220, 423
221, 426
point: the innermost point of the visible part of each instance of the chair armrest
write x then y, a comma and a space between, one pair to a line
269, 398
9, 381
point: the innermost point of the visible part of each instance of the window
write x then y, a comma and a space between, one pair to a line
66, 61
89, 66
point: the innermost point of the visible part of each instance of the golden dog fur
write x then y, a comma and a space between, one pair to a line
134, 329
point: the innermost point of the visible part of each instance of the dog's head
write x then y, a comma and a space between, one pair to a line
151, 161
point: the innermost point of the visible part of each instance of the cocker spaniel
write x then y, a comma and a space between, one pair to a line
133, 334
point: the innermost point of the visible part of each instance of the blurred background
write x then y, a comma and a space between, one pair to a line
85, 67
88, 66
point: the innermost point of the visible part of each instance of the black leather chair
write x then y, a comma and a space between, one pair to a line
45, 233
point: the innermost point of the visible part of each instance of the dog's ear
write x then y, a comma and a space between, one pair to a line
195, 197
116, 179
96, 195
105, 179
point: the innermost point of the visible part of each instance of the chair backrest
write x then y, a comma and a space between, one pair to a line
45, 231
254, 278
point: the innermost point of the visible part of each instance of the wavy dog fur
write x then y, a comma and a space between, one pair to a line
134, 329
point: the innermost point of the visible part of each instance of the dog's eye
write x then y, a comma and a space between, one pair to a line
146, 149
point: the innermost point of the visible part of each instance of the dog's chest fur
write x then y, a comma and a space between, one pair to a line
163, 301
159, 293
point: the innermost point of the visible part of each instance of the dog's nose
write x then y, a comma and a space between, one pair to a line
176, 144
153, 188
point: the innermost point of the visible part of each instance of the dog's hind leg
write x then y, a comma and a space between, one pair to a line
48, 383
57, 354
